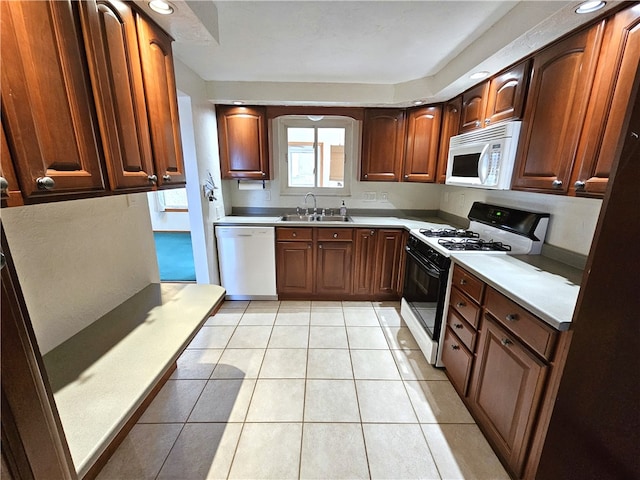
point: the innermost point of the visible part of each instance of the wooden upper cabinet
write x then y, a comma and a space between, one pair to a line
47, 106
423, 138
242, 136
608, 107
383, 142
162, 102
451, 114
474, 102
561, 82
111, 41
506, 97
11, 195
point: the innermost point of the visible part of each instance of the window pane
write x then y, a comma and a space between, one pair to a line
331, 171
301, 156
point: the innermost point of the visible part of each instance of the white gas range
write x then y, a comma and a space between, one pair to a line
492, 230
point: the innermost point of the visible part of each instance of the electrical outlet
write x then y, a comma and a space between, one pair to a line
369, 196
384, 197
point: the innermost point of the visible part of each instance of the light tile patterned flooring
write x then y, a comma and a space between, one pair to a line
317, 390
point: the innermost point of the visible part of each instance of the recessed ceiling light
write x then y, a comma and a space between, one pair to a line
418, 102
161, 7
238, 102
479, 75
592, 6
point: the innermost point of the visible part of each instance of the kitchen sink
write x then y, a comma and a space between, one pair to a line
315, 218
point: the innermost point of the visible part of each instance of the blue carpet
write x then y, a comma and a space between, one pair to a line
175, 256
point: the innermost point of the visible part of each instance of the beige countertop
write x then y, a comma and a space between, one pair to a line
357, 222
101, 375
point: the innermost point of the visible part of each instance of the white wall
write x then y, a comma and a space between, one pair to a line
77, 260
572, 223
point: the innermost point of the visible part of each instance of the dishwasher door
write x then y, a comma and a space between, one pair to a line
247, 262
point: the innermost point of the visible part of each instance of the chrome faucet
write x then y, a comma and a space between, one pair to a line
315, 206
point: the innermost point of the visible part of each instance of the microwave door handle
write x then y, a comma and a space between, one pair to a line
483, 164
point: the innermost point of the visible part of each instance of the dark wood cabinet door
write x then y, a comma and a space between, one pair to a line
162, 102
611, 92
294, 268
389, 263
114, 63
505, 100
474, 102
451, 114
561, 82
242, 136
11, 195
364, 258
333, 268
383, 141
505, 392
423, 138
47, 105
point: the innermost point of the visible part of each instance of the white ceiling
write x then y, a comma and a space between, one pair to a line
356, 52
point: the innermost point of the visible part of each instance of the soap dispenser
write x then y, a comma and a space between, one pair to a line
343, 209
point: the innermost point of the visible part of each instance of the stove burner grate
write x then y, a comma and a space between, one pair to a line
474, 244
448, 232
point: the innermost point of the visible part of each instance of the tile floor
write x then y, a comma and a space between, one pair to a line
317, 390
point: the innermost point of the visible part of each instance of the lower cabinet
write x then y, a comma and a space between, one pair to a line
506, 371
339, 263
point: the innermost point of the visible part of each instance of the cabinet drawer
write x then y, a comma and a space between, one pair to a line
462, 329
530, 329
294, 234
457, 361
468, 283
327, 234
465, 307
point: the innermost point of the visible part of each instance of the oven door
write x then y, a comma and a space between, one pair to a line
424, 292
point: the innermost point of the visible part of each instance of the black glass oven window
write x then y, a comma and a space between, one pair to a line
466, 165
422, 292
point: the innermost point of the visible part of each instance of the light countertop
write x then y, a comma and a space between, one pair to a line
546, 288
358, 222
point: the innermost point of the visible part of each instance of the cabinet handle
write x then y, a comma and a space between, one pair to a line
487, 121
4, 185
455, 347
512, 317
556, 184
335, 235
457, 325
166, 178
461, 304
506, 342
580, 185
153, 179
45, 183
463, 281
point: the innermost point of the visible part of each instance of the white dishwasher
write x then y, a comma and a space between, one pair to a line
247, 262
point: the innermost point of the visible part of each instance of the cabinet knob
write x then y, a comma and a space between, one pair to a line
320, 246
366, 176
166, 178
4, 185
264, 174
477, 124
373, 232
294, 234
457, 325
455, 347
153, 179
556, 184
335, 235
512, 317
506, 342
580, 185
487, 121
406, 177
309, 245
461, 304
463, 281
454, 110
45, 183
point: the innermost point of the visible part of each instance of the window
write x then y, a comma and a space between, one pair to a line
315, 154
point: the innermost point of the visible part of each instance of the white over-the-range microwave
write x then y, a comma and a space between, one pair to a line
484, 158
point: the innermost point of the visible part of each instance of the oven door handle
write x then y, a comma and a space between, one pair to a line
428, 266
